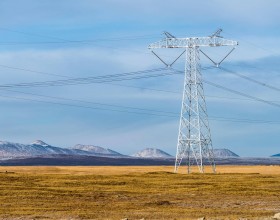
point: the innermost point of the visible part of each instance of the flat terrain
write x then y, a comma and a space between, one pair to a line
235, 192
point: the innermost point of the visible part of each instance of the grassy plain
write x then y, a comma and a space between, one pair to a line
139, 192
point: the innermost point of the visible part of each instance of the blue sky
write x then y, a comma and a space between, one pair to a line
117, 34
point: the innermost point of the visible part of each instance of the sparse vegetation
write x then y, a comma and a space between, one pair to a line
138, 192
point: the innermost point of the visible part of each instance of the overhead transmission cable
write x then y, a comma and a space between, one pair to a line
33, 71
149, 36
95, 79
255, 45
62, 40
64, 76
167, 114
142, 109
118, 106
237, 92
100, 78
15, 43
108, 78
90, 102
242, 94
90, 107
250, 79
122, 85
213, 118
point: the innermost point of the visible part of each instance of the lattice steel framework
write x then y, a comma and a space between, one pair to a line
194, 140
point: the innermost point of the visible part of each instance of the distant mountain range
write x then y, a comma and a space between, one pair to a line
157, 153
41, 153
39, 148
9, 150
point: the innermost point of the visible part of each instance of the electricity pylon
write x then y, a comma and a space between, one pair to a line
194, 139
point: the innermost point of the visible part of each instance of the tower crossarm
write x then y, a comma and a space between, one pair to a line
192, 42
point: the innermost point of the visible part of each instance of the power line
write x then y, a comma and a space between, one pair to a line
129, 86
82, 82
237, 92
96, 103
30, 34
144, 88
142, 109
111, 78
242, 94
88, 107
64, 76
90, 102
62, 40
33, 71
246, 65
257, 46
250, 79
243, 120
16, 43
94, 79
127, 107
144, 113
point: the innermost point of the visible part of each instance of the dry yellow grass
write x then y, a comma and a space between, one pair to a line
138, 192
120, 170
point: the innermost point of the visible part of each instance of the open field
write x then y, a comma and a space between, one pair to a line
154, 192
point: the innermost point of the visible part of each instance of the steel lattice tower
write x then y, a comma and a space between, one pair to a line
194, 139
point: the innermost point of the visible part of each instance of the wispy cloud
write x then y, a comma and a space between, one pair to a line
253, 23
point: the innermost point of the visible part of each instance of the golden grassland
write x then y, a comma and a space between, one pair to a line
137, 192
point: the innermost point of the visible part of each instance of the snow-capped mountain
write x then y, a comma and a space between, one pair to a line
152, 153
95, 150
38, 147
224, 153
8, 149
276, 155
44, 148
39, 142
